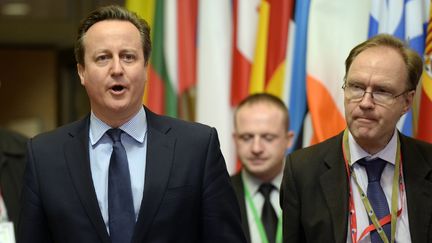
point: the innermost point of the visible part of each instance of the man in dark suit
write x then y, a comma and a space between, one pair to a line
124, 174
12, 164
262, 137
370, 183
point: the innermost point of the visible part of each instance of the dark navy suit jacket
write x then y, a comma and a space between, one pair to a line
188, 195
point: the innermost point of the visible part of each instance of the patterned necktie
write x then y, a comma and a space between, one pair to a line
121, 211
268, 215
375, 194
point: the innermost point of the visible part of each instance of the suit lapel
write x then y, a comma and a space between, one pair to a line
160, 147
335, 192
418, 186
77, 159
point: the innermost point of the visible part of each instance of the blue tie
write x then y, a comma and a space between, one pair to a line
121, 211
375, 194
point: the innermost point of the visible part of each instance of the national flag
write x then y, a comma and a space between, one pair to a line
245, 20
187, 17
214, 72
335, 27
405, 19
424, 131
259, 50
295, 79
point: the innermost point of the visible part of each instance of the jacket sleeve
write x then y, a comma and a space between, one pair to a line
220, 211
289, 201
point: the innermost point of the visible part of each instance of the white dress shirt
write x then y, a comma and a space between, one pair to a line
388, 154
253, 185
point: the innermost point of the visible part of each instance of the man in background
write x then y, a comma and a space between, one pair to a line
124, 174
370, 183
262, 137
12, 164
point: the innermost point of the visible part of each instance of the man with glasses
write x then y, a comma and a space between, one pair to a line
370, 183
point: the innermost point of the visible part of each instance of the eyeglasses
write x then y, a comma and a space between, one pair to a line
355, 93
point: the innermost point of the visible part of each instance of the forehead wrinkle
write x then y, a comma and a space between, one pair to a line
378, 67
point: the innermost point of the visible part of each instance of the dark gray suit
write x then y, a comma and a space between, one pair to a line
12, 164
314, 193
188, 196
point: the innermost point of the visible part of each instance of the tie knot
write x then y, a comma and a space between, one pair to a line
266, 189
374, 168
114, 134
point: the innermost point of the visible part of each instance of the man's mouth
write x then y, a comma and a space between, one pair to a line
366, 120
117, 88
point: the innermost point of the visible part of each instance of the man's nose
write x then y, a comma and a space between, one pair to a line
367, 100
257, 145
116, 66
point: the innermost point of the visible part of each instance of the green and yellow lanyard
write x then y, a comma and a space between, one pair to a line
396, 188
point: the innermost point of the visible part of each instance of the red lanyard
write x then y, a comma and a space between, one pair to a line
353, 217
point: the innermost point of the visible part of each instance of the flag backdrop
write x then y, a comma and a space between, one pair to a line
425, 114
209, 55
405, 19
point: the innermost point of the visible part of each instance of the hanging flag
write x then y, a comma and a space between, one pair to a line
335, 27
405, 19
245, 20
214, 72
259, 50
296, 73
166, 98
425, 107
281, 14
257, 80
187, 15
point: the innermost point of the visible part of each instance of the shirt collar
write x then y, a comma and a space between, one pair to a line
135, 127
388, 153
254, 183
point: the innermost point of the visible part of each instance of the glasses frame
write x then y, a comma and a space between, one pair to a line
393, 97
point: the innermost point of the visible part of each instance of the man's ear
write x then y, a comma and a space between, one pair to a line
81, 72
408, 101
290, 137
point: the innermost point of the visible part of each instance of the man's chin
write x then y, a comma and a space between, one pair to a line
364, 134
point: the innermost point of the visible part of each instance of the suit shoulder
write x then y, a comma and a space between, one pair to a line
175, 122
181, 127
421, 147
421, 144
318, 151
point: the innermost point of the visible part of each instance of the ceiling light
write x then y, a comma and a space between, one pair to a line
15, 9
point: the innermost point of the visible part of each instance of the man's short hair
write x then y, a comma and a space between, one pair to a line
264, 98
112, 12
413, 61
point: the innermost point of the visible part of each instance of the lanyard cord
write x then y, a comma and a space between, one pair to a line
258, 221
376, 223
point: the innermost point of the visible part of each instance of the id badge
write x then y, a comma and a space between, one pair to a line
7, 232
